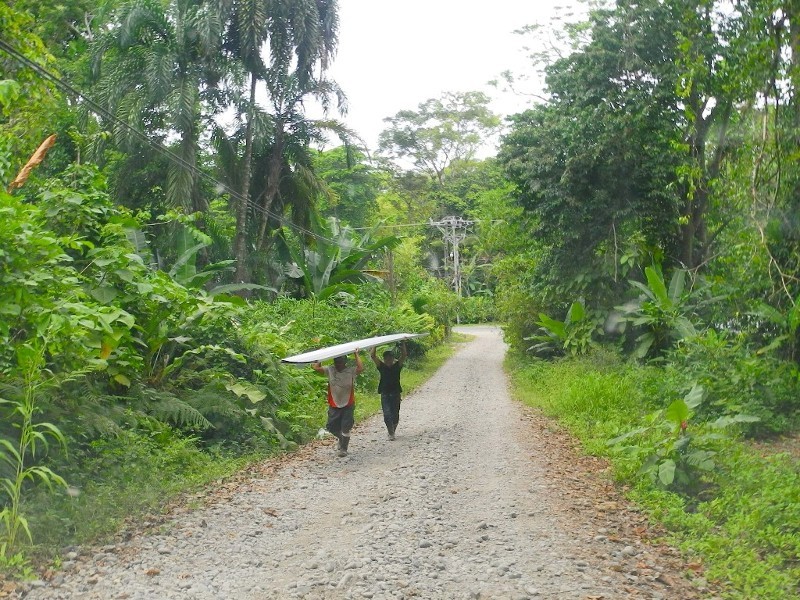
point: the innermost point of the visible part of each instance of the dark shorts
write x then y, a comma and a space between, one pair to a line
340, 420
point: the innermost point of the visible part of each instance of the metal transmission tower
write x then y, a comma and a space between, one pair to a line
454, 230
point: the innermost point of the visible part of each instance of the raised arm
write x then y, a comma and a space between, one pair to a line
318, 367
403, 353
359, 364
374, 356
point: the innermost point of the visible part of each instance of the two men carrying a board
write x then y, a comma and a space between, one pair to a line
341, 397
341, 393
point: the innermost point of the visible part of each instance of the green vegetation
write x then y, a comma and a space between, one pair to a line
159, 380
636, 234
654, 309
742, 523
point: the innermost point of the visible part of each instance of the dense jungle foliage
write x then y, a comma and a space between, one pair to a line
173, 223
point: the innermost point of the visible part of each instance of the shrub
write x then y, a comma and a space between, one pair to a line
477, 309
677, 451
738, 380
574, 335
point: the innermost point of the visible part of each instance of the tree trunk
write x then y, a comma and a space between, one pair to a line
273, 181
240, 241
694, 233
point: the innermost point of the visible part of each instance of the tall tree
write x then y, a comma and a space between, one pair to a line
441, 131
299, 36
67, 26
709, 83
354, 182
625, 157
766, 182
292, 134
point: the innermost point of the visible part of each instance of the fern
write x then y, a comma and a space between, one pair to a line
170, 409
97, 414
215, 401
79, 406
102, 421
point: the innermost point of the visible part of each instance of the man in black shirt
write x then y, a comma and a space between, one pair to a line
389, 386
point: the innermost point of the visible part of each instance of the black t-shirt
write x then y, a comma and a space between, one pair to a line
390, 378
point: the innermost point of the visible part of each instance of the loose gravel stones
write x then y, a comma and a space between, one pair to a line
468, 502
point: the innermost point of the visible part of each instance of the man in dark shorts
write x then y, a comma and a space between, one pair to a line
341, 397
389, 386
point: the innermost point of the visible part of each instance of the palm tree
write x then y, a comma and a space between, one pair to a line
300, 36
153, 68
281, 177
292, 134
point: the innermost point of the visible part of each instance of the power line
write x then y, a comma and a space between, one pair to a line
428, 224
102, 112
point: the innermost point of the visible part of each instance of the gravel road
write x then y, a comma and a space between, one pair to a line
477, 498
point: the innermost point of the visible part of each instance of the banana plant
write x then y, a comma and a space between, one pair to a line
660, 311
338, 261
189, 243
574, 335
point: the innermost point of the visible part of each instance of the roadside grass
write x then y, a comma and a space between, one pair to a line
120, 480
745, 530
128, 477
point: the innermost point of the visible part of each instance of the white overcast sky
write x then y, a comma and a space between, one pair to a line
394, 55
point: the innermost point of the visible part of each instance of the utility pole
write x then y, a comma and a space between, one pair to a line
454, 230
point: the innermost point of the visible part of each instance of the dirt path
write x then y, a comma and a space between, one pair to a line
477, 498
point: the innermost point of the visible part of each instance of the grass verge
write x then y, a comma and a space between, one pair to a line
746, 532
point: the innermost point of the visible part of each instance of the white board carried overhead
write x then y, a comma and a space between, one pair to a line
348, 348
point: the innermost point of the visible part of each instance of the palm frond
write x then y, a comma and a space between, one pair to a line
251, 21
159, 71
227, 157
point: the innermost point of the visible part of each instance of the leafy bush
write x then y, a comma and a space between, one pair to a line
738, 380
51, 331
437, 300
477, 309
677, 451
515, 304
747, 533
310, 323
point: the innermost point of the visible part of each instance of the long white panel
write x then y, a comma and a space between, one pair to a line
348, 348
